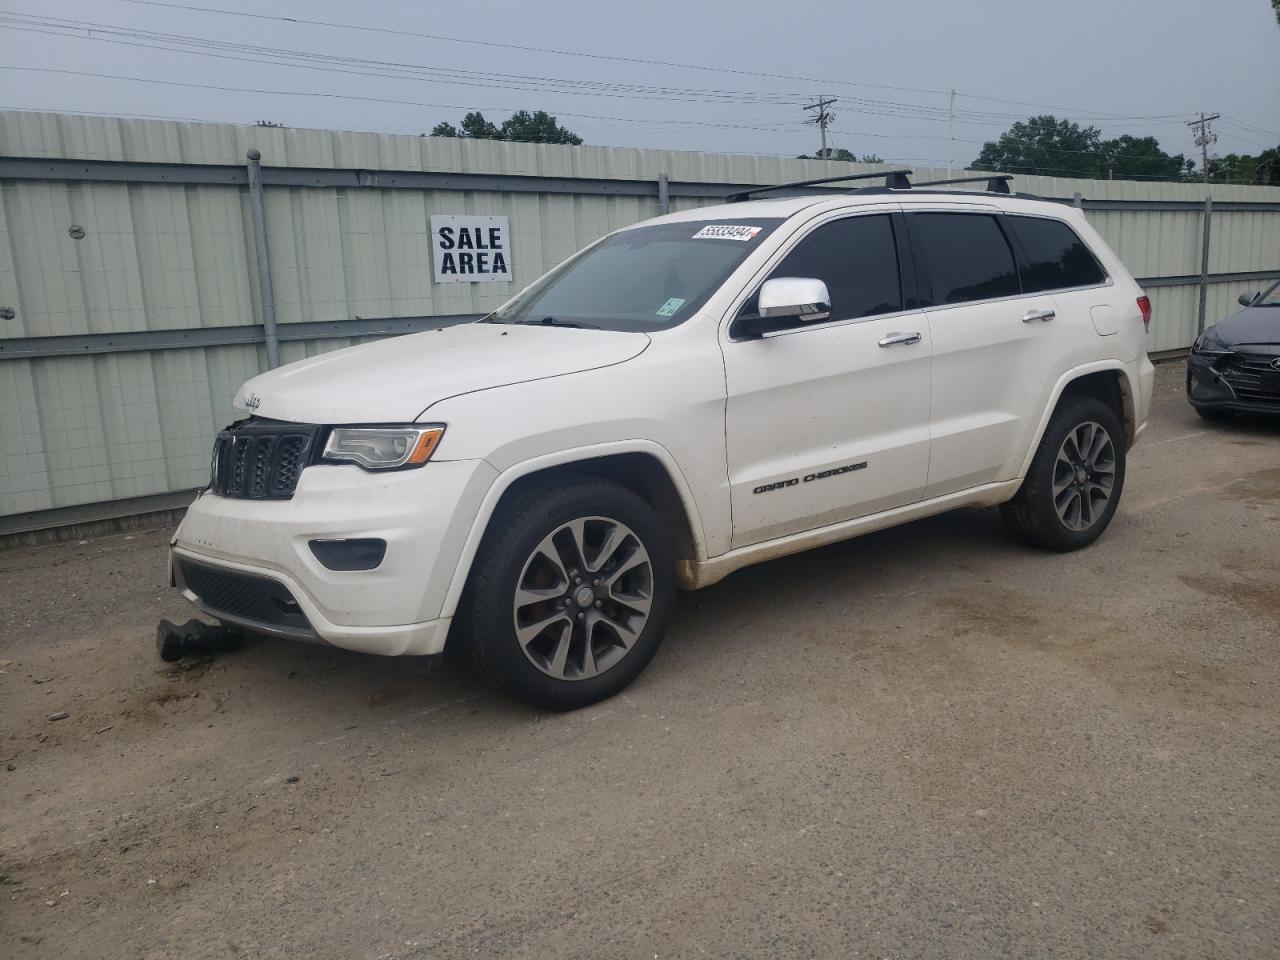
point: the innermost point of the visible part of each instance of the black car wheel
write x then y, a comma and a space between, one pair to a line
570, 593
1077, 475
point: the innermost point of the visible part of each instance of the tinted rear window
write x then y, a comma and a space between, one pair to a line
965, 256
1056, 257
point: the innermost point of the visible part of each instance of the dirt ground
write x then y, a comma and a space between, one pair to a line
929, 742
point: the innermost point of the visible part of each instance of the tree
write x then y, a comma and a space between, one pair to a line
522, 126
538, 127
474, 125
840, 153
1130, 158
1262, 169
1047, 146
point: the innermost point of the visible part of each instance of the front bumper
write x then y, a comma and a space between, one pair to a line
397, 608
1210, 389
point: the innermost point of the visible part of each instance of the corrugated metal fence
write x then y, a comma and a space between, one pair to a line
131, 294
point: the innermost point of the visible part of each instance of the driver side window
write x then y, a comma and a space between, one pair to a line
858, 261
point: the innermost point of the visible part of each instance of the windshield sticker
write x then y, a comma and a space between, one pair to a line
669, 308
727, 231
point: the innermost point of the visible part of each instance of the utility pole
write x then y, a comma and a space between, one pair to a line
951, 128
822, 118
1205, 138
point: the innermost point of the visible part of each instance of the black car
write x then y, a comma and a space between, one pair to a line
1234, 366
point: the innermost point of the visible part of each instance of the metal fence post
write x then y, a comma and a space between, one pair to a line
664, 194
1204, 265
258, 205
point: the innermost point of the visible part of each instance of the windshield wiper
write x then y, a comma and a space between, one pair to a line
544, 322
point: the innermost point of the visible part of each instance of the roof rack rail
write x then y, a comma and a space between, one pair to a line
892, 178
996, 182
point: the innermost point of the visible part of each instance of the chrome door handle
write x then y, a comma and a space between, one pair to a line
1035, 315
895, 338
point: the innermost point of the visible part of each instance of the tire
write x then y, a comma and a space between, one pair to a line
1077, 515
538, 636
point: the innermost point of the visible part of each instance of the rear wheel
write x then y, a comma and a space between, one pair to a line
1075, 481
570, 593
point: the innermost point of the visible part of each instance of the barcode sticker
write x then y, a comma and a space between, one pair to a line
727, 231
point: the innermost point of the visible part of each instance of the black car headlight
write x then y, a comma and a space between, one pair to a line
1208, 345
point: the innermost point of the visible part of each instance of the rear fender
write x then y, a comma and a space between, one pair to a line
1127, 394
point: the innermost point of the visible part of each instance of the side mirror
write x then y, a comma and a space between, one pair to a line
1246, 299
785, 302
795, 298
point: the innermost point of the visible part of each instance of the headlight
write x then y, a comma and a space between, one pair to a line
383, 448
1207, 344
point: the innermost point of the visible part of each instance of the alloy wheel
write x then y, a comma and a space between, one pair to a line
583, 598
1084, 476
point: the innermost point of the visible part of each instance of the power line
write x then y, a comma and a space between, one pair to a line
324, 63
111, 33
483, 79
932, 112
1249, 126
1243, 139
584, 54
357, 97
272, 56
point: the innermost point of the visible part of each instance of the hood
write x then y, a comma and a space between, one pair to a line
1256, 325
397, 379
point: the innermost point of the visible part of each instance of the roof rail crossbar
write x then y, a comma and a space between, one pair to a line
996, 182
892, 178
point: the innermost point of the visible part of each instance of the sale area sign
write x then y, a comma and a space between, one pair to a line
471, 249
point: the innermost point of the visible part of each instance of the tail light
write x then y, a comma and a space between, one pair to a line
1144, 304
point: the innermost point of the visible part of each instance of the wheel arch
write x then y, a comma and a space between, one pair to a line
644, 467
1108, 381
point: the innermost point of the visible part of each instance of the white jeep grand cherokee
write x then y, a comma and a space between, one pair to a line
685, 397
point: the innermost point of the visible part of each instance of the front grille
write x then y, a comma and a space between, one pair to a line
1252, 377
261, 460
244, 596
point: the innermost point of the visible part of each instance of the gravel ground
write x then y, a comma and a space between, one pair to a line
929, 742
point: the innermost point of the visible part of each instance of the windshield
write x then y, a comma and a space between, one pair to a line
1270, 298
648, 278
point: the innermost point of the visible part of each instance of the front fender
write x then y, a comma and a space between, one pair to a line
561, 458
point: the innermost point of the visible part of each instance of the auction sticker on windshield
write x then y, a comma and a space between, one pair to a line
727, 231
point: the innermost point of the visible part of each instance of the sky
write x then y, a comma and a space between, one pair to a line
726, 77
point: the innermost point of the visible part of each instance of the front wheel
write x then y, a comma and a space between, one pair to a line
1075, 481
570, 593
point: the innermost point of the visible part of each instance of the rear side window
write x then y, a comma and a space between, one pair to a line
965, 256
856, 259
1056, 257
